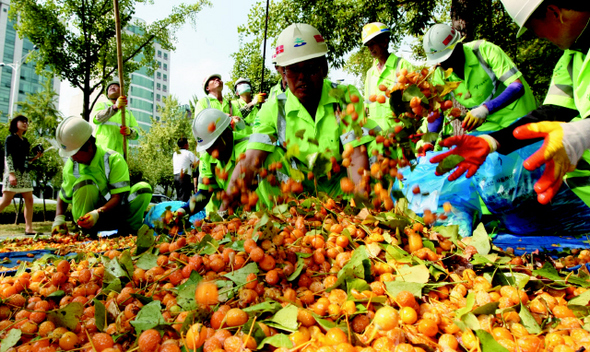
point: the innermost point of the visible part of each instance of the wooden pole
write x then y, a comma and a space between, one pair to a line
120, 69
264, 49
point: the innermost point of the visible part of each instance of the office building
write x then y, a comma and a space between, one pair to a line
17, 77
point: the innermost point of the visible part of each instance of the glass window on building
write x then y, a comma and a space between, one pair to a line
165, 88
165, 78
159, 75
160, 64
158, 86
165, 67
158, 97
165, 56
159, 53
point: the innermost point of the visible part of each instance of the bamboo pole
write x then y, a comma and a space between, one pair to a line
120, 69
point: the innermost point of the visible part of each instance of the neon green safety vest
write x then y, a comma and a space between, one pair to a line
251, 115
381, 112
108, 133
283, 122
570, 88
488, 71
108, 170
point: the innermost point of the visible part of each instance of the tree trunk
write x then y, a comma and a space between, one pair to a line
461, 13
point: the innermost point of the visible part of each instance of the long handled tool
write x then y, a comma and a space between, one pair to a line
120, 69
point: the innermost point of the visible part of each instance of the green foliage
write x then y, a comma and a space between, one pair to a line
153, 158
341, 23
76, 38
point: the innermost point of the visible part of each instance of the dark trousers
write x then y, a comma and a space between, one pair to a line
184, 187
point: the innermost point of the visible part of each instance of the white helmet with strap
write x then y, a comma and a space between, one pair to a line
521, 11
299, 42
371, 30
439, 42
205, 135
71, 134
207, 79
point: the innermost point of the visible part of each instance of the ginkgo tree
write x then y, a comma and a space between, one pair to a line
76, 38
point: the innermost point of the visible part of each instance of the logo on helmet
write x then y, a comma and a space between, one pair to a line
280, 49
319, 38
299, 42
199, 139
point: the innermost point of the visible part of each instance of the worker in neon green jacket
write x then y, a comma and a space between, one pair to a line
107, 118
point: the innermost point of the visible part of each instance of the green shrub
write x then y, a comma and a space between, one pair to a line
8, 215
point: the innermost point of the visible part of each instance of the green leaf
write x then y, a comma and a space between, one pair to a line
487, 342
489, 308
145, 239
470, 321
448, 164
194, 278
470, 302
143, 299
114, 286
57, 294
10, 340
127, 262
298, 267
480, 240
416, 273
285, 319
240, 277
66, 316
520, 279
359, 285
100, 314
186, 297
21, 269
278, 341
395, 287
147, 261
237, 246
528, 321
226, 289
113, 268
581, 300
148, 317
268, 306
548, 272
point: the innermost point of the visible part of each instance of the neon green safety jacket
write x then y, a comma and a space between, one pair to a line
108, 133
283, 123
570, 88
251, 114
381, 112
488, 71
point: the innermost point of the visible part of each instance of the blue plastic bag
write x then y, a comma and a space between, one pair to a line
436, 190
155, 212
507, 189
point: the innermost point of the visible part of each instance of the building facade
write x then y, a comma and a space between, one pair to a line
17, 77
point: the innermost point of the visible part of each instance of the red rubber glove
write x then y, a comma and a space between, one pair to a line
125, 130
473, 149
558, 158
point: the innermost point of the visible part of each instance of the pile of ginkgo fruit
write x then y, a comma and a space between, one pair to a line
307, 277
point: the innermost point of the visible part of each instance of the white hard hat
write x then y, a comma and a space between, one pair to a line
201, 123
439, 43
241, 80
372, 30
207, 79
520, 11
299, 42
71, 134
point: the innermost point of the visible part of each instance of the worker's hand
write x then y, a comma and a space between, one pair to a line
562, 149
424, 148
259, 98
59, 225
237, 123
473, 149
12, 179
89, 220
125, 130
121, 102
475, 118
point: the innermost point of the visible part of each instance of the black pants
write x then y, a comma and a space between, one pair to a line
184, 187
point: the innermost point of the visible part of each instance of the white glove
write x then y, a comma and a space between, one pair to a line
59, 225
222, 213
475, 118
89, 220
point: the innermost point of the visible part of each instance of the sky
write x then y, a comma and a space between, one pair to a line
202, 48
